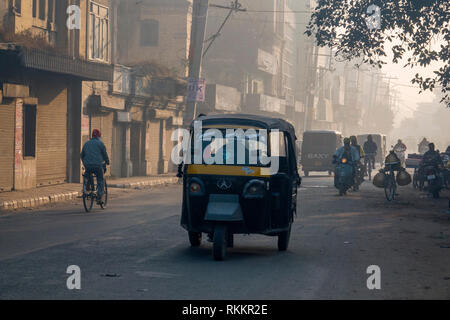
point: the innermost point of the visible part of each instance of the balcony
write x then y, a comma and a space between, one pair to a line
45, 61
264, 103
222, 98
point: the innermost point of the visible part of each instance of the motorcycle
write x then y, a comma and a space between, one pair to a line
343, 175
433, 177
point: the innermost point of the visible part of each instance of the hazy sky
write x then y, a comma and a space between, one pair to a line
408, 94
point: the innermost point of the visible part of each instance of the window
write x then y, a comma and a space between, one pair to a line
51, 11
99, 32
149, 33
29, 131
42, 9
18, 6
34, 8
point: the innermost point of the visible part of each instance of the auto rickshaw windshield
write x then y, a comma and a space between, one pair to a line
234, 147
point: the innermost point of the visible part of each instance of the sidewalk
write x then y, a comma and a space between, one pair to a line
36, 197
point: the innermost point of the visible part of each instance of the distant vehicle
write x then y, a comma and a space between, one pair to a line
380, 140
318, 148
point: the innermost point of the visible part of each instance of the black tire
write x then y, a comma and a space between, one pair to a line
220, 242
195, 238
283, 239
88, 196
88, 201
330, 173
369, 171
389, 188
105, 196
306, 173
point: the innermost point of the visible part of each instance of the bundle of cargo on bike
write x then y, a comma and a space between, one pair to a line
387, 179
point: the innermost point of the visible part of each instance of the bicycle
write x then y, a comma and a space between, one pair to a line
90, 191
369, 164
390, 185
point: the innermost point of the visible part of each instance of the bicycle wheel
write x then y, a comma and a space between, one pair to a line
88, 196
105, 195
389, 187
369, 170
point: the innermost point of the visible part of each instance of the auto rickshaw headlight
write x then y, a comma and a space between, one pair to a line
196, 187
254, 189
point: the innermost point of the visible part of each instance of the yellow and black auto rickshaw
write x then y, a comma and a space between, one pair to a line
239, 177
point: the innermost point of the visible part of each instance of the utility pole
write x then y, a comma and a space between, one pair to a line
198, 28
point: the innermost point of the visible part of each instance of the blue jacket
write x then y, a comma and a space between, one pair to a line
94, 153
353, 151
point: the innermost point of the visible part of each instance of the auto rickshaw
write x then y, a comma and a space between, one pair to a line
238, 193
317, 150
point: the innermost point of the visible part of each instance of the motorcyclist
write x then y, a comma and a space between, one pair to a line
423, 146
400, 149
93, 156
359, 167
349, 152
370, 149
432, 157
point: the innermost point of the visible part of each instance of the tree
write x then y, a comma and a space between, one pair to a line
350, 27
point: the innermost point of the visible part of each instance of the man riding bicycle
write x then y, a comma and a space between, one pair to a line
94, 156
370, 149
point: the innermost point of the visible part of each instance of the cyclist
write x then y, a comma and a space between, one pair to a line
93, 156
370, 149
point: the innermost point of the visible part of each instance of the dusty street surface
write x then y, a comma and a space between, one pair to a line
136, 250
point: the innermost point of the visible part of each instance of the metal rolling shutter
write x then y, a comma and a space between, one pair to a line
7, 119
51, 155
153, 145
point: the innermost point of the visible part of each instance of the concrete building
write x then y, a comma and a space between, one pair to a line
43, 64
153, 40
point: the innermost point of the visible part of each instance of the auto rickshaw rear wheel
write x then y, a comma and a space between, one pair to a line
195, 238
220, 240
283, 239
306, 173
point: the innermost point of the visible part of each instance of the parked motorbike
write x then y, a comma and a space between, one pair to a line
343, 175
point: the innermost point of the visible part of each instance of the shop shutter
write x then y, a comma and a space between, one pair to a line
7, 120
51, 155
153, 145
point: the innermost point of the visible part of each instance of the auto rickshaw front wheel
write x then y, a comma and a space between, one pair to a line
220, 242
283, 239
195, 238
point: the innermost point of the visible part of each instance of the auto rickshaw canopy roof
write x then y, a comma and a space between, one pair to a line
263, 122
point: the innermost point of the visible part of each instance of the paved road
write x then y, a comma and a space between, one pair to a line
137, 250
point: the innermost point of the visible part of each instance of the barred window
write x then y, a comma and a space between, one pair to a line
99, 38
